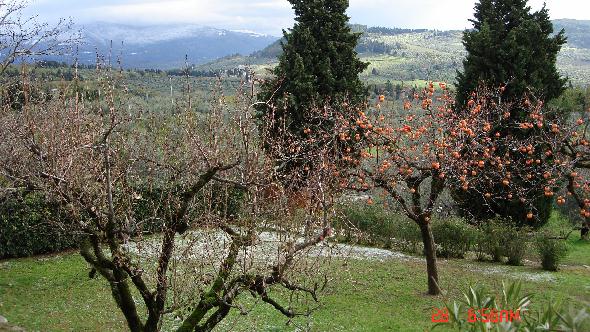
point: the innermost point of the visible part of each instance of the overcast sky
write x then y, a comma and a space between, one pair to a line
271, 16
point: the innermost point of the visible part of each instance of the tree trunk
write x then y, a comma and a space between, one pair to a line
430, 252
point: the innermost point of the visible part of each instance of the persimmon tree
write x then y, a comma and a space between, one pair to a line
413, 155
510, 45
513, 162
121, 173
577, 149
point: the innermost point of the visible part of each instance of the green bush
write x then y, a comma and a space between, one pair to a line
376, 225
498, 239
224, 200
551, 251
27, 227
489, 241
368, 224
453, 236
28, 224
516, 242
407, 235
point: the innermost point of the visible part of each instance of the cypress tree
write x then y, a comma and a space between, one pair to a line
318, 66
510, 45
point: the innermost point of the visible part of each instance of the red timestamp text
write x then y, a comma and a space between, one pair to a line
484, 315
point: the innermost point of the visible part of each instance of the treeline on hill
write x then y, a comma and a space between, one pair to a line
231, 72
393, 31
367, 45
383, 30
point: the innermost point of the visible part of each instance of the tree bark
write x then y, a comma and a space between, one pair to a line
430, 252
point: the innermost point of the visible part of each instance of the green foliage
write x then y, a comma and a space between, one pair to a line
31, 225
408, 237
453, 236
477, 298
573, 101
516, 244
499, 238
377, 226
28, 227
223, 200
489, 241
369, 224
319, 61
551, 317
226, 200
511, 45
318, 66
470, 202
14, 95
551, 251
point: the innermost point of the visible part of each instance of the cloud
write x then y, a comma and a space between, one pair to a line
271, 16
265, 16
444, 15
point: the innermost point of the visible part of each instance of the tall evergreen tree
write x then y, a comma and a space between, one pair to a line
510, 45
318, 66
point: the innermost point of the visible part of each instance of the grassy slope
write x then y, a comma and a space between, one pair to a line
54, 293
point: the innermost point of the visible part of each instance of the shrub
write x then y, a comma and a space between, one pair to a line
376, 225
224, 200
369, 224
516, 243
453, 236
26, 227
489, 241
551, 251
407, 236
499, 238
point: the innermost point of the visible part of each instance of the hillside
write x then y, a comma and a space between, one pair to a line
408, 55
165, 46
578, 32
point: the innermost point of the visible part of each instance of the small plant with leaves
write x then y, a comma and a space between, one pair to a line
477, 299
551, 317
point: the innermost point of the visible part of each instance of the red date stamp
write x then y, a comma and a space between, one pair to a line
484, 315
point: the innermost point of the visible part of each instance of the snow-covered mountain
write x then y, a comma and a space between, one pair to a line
165, 46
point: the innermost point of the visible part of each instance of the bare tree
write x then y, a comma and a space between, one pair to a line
201, 183
24, 36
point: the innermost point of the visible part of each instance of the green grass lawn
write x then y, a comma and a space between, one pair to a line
55, 294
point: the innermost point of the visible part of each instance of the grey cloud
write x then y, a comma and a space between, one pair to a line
271, 16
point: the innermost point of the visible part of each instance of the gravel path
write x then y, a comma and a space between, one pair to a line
208, 247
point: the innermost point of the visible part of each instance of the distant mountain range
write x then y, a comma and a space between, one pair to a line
577, 31
165, 46
395, 54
